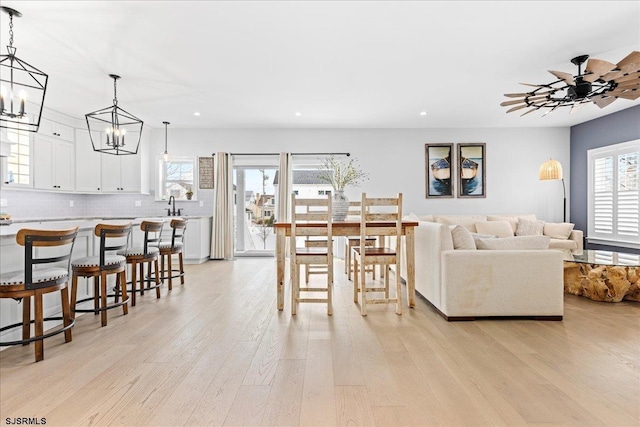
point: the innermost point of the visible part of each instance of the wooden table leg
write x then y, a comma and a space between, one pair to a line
280, 260
411, 266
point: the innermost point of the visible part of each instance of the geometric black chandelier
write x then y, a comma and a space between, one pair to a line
113, 130
601, 83
22, 87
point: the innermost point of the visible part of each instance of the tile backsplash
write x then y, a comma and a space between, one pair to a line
31, 204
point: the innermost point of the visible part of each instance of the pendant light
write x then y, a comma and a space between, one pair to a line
113, 130
165, 155
22, 87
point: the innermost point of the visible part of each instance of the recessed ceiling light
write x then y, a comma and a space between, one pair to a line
298, 114
423, 113
196, 113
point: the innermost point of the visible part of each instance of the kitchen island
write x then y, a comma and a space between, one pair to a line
197, 244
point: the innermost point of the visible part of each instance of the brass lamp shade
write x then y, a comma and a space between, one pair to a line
551, 169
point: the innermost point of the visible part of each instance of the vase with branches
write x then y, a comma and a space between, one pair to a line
340, 174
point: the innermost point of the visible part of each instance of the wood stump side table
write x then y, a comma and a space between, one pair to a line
603, 276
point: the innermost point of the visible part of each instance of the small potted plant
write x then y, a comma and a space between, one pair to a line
340, 174
189, 193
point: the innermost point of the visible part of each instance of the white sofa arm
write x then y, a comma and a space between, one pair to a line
502, 283
577, 236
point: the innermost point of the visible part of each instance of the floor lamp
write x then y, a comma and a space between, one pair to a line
552, 170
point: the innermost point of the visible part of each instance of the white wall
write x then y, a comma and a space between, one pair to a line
395, 161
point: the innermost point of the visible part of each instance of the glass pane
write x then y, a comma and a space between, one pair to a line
256, 197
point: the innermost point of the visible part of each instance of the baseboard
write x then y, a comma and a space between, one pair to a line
473, 318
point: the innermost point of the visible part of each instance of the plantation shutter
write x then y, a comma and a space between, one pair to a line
614, 193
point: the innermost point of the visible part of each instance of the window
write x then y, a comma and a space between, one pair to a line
177, 178
614, 194
18, 162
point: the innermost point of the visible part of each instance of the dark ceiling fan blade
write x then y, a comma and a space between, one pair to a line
603, 101
568, 78
517, 107
596, 68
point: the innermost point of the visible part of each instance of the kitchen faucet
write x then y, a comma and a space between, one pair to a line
172, 200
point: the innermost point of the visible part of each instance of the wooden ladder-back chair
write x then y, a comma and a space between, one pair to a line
112, 238
351, 242
168, 248
138, 256
314, 220
376, 213
39, 276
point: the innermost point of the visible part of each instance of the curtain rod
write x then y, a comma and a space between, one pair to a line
293, 154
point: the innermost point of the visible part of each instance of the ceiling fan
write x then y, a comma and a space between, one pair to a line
601, 83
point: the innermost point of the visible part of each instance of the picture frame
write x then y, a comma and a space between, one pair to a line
439, 170
205, 173
472, 167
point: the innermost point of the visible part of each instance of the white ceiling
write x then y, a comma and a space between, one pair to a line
340, 64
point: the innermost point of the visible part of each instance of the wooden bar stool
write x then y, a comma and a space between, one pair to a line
40, 276
138, 256
112, 238
170, 248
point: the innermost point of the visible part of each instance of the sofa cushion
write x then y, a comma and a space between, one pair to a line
562, 244
515, 243
513, 219
462, 238
467, 221
428, 218
498, 228
558, 230
529, 228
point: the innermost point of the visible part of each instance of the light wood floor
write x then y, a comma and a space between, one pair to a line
217, 352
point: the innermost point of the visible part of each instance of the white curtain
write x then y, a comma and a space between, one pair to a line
222, 230
285, 179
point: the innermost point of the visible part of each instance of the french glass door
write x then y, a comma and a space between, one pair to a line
254, 213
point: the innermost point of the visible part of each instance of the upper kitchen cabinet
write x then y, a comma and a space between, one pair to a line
106, 173
121, 173
55, 130
88, 164
53, 164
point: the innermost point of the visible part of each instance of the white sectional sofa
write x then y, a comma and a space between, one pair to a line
466, 284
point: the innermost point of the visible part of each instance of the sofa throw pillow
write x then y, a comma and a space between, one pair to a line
498, 228
515, 243
560, 230
513, 219
411, 217
468, 223
462, 238
529, 228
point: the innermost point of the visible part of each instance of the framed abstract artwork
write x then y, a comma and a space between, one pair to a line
472, 159
439, 170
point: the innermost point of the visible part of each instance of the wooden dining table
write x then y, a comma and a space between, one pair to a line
350, 229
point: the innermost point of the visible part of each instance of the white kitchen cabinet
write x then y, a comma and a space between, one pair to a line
197, 240
56, 130
121, 173
53, 164
88, 164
